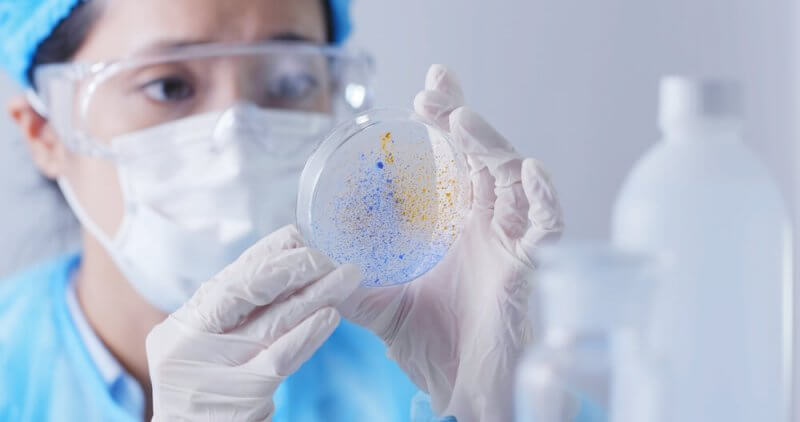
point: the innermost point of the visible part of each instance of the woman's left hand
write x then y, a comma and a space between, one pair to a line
459, 330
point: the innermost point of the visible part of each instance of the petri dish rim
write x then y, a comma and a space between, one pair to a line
338, 137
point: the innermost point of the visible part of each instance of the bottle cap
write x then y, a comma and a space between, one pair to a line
687, 100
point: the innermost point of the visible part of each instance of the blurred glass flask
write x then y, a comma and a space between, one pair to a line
590, 365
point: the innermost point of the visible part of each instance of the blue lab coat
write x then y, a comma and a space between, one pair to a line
47, 374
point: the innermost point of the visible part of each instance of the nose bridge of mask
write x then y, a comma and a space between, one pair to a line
280, 133
165, 138
234, 162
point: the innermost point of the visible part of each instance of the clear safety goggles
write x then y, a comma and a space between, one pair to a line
90, 104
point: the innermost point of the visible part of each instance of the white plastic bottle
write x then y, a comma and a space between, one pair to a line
701, 200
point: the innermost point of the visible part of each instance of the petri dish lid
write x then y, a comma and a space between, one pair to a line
386, 191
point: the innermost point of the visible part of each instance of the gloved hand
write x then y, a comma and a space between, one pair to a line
459, 330
224, 353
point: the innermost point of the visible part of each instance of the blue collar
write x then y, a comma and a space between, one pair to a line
124, 396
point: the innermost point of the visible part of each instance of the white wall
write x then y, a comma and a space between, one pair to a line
574, 82
34, 221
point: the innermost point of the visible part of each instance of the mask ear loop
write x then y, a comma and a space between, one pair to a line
82, 215
36, 102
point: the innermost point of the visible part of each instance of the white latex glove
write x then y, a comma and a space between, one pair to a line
224, 353
459, 330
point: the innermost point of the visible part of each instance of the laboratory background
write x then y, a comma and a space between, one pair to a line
573, 83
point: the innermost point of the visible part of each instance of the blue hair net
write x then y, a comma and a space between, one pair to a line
340, 19
24, 24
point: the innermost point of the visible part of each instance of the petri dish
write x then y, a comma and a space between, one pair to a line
386, 191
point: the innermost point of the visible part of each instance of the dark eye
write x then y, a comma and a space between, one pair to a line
292, 87
169, 89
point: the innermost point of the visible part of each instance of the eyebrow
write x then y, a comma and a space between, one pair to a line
167, 45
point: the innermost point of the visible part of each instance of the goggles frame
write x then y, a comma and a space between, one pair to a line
50, 80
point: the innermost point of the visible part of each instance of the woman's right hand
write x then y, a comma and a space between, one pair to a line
224, 353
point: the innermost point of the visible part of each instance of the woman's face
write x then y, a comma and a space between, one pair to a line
130, 28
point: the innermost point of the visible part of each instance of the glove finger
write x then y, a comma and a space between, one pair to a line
483, 195
440, 78
269, 323
292, 349
173, 338
544, 212
249, 283
287, 237
441, 96
485, 147
374, 308
436, 106
216, 390
488, 151
205, 388
511, 211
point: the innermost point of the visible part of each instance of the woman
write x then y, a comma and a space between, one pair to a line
176, 131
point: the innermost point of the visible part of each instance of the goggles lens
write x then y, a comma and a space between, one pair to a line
114, 99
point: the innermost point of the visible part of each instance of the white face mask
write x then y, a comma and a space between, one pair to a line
201, 191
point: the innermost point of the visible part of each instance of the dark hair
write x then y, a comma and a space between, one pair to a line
70, 34
66, 39
328, 14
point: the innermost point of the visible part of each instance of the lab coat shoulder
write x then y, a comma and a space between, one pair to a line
45, 372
